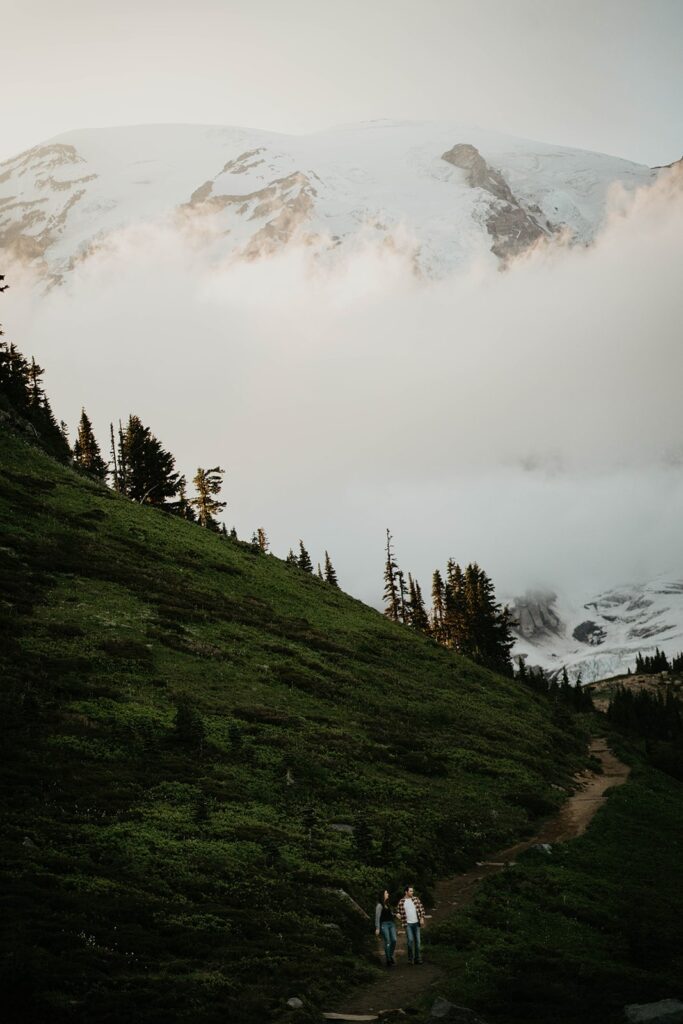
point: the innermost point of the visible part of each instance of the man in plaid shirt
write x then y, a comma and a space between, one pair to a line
412, 915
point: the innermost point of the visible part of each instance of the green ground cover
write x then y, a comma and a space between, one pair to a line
186, 724
574, 936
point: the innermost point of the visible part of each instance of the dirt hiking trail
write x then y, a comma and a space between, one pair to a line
400, 986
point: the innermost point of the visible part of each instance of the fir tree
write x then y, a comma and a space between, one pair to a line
438, 607
87, 451
304, 561
418, 618
262, 540
291, 559
330, 574
184, 508
146, 470
319, 572
392, 607
207, 483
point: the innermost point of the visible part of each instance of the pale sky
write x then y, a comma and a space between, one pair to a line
596, 74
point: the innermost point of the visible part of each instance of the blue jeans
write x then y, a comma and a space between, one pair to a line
413, 940
388, 930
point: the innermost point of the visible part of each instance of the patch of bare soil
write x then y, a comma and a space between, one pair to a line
400, 986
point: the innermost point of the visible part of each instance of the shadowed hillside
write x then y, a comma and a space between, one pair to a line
204, 745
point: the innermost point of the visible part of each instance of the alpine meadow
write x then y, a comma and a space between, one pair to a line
341, 491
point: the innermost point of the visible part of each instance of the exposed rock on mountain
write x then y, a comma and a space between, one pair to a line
512, 227
241, 193
602, 637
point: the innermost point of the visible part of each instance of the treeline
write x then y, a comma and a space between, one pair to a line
464, 614
556, 686
649, 665
651, 715
655, 718
139, 467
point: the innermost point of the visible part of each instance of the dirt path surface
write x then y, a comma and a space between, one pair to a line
400, 986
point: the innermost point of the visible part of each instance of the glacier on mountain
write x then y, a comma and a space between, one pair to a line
455, 193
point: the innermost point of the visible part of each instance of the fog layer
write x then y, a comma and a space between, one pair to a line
530, 419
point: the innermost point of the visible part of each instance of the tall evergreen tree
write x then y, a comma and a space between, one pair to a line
304, 561
146, 470
438, 606
208, 483
291, 558
418, 618
262, 540
330, 574
184, 508
87, 451
392, 599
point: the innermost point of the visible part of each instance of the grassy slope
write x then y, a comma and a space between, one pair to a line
576, 935
155, 879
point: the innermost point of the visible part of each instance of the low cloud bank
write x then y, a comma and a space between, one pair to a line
529, 419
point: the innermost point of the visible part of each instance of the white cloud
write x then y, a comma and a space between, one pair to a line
529, 419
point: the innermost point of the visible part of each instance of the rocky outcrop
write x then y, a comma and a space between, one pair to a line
666, 1011
536, 617
512, 227
442, 1010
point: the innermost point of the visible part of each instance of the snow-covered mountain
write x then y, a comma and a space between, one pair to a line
444, 193
601, 637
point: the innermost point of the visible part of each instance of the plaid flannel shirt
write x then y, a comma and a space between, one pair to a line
418, 907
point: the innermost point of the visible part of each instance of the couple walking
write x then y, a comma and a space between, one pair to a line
412, 915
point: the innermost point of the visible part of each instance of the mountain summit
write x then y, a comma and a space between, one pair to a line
444, 193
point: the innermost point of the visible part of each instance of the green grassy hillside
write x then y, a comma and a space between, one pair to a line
186, 726
576, 935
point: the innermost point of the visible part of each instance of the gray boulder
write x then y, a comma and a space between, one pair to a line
666, 1011
294, 1003
444, 1011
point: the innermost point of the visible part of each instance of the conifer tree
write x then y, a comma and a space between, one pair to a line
438, 607
417, 615
262, 540
402, 595
319, 572
330, 574
184, 508
87, 451
392, 599
304, 561
291, 558
21, 384
146, 470
207, 483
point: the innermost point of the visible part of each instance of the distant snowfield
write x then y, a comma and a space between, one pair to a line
326, 317
249, 193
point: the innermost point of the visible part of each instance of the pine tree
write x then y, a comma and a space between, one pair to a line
146, 470
87, 451
319, 572
330, 574
457, 616
304, 561
438, 607
417, 615
392, 598
262, 540
291, 559
207, 483
184, 508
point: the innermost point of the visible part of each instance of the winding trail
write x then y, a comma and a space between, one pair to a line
400, 987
